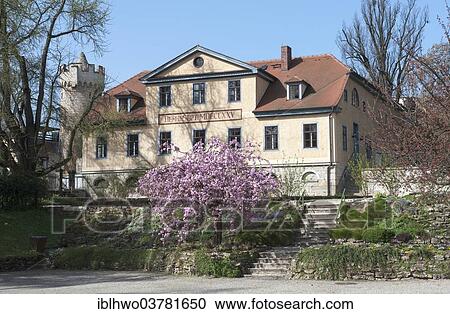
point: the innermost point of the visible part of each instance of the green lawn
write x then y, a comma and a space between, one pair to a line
16, 227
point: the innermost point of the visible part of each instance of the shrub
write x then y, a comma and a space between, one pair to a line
264, 238
92, 257
352, 218
344, 233
341, 233
207, 265
407, 224
377, 235
379, 211
21, 191
336, 262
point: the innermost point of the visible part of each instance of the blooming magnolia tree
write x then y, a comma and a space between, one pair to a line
199, 185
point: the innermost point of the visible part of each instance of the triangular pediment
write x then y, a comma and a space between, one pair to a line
212, 62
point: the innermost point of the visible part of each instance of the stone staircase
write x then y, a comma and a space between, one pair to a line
318, 218
274, 262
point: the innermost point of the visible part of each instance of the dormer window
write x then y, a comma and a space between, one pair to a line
294, 91
124, 104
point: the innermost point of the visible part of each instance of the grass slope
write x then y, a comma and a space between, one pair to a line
16, 227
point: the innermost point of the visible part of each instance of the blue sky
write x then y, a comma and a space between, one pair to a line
146, 33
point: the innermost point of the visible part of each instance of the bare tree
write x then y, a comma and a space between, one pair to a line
416, 139
381, 40
36, 37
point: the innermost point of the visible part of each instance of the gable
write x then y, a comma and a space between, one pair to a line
211, 65
214, 64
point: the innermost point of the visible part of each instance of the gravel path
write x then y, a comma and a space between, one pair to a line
57, 281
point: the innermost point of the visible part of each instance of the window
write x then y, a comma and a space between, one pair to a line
344, 138
310, 135
199, 136
198, 62
165, 142
164, 96
355, 98
310, 177
198, 93
234, 134
271, 137
101, 148
132, 145
123, 105
234, 91
294, 91
345, 95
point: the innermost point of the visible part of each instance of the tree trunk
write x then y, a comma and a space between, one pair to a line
217, 239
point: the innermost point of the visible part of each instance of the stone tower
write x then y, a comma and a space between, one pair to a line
81, 83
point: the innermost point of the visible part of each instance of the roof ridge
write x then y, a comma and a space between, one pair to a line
266, 60
127, 80
320, 55
300, 57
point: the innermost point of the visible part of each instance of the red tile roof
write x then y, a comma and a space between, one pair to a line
132, 84
325, 74
131, 87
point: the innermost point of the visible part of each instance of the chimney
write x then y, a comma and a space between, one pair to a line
286, 57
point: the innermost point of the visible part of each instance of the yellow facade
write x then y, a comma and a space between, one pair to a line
326, 162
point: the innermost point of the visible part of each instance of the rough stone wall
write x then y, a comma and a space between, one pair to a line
405, 265
437, 219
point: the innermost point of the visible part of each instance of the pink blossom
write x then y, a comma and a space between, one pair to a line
211, 177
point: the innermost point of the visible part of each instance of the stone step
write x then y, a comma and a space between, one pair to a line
320, 215
319, 222
278, 254
321, 212
271, 266
268, 272
322, 206
275, 260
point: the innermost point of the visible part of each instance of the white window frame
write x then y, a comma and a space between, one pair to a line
128, 103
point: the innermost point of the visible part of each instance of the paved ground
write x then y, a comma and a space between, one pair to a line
52, 281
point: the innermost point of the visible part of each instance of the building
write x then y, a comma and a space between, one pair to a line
304, 112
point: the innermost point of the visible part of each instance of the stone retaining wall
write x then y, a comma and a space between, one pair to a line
413, 261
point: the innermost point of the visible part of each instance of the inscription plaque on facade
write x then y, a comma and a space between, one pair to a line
200, 116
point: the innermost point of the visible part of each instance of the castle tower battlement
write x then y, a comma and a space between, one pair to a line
81, 84
82, 74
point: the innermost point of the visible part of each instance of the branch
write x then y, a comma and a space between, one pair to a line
73, 134
43, 66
